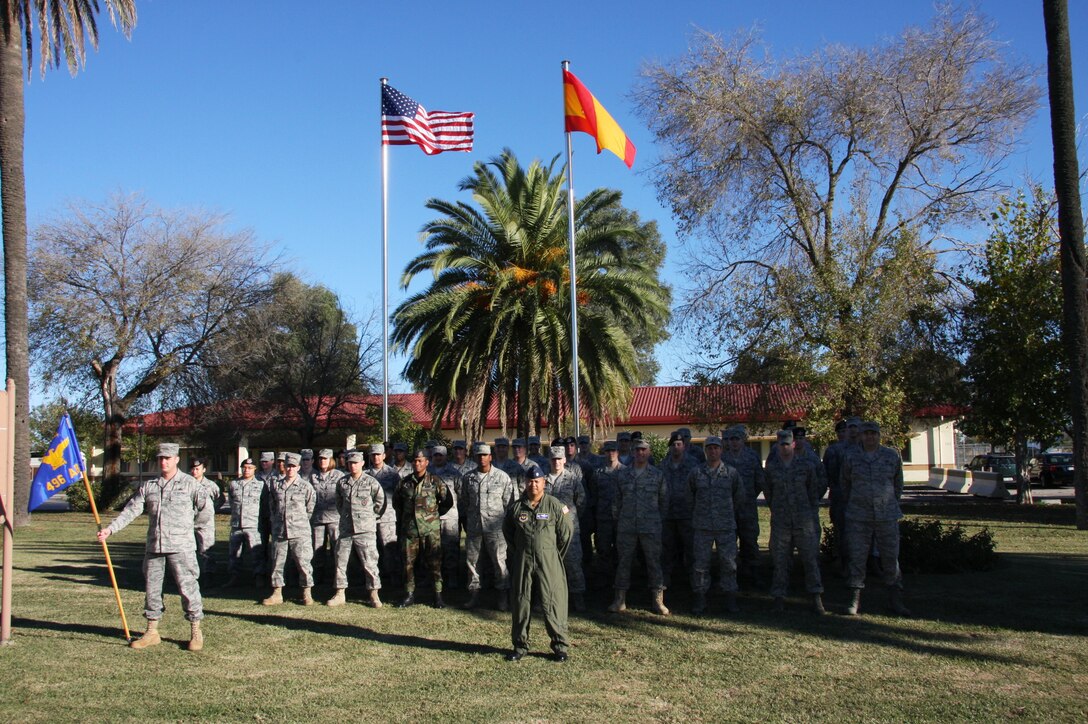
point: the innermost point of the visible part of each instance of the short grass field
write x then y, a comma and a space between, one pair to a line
1007, 644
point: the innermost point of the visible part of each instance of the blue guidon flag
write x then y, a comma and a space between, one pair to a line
405, 122
61, 466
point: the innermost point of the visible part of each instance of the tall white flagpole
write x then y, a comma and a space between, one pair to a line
385, 282
573, 277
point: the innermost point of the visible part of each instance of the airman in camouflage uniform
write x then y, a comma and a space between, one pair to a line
461, 461
420, 500
692, 451
642, 498
872, 478
538, 528
516, 466
325, 520
451, 523
401, 463
793, 491
360, 502
245, 517
716, 492
535, 453
177, 507
833, 456
606, 477
486, 493
293, 502
676, 531
623, 441
750, 468
566, 485
197, 468
266, 473
389, 562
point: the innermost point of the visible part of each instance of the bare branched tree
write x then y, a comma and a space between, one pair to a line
127, 296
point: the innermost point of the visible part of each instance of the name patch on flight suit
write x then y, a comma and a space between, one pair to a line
541, 516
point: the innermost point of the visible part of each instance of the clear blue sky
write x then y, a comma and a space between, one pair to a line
269, 110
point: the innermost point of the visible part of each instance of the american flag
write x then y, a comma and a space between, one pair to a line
405, 122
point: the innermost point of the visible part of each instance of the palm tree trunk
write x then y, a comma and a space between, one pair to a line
1071, 227
13, 191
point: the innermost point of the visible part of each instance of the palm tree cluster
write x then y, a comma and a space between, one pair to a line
493, 329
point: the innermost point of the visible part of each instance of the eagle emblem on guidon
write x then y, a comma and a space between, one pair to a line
55, 457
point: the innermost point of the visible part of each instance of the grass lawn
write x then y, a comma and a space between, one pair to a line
1011, 643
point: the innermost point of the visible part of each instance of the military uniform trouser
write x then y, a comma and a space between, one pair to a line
703, 543
389, 563
576, 577
451, 549
301, 551
240, 539
365, 546
626, 542
184, 569
861, 534
748, 532
550, 582
428, 551
494, 544
807, 541
837, 511
604, 540
321, 532
677, 538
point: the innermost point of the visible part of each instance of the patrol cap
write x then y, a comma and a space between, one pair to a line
534, 439
641, 444
741, 431
281, 456
460, 444
421, 453
307, 454
400, 447
247, 461
731, 433
785, 436
584, 440
558, 451
610, 445
623, 436
840, 425
789, 424
533, 472
439, 450
502, 442
377, 449
636, 435
684, 432
712, 440
675, 436
800, 431
354, 457
870, 426
853, 421
292, 459
197, 461
481, 448
268, 457
325, 453
570, 440
168, 450
558, 441
519, 442
432, 444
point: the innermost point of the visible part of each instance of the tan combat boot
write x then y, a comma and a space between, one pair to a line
855, 602
307, 599
338, 598
619, 603
818, 604
375, 602
196, 638
659, 603
275, 599
150, 637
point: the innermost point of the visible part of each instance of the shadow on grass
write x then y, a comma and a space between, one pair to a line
332, 628
112, 632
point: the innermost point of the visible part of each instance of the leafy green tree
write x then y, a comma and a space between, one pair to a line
818, 190
45, 417
298, 357
494, 325
63, 28
1016, 365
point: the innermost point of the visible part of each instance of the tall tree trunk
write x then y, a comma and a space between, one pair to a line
115, 411
1071, 227
13, 190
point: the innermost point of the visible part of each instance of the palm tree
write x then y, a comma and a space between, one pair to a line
63, 26
494, 326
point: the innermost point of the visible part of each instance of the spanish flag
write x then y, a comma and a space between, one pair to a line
582, 112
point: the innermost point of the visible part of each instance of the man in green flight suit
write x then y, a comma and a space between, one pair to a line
420, 500
538, 530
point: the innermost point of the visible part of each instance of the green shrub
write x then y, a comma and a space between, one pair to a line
77, 495
927, 546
